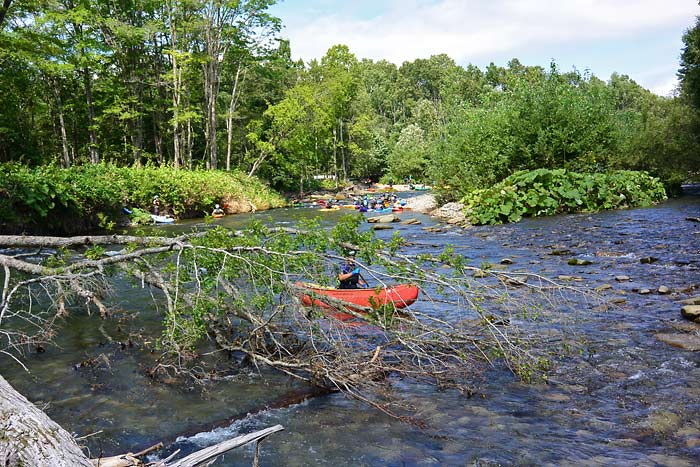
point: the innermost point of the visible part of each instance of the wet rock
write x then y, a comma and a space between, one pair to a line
622, 278
411, 221
682, 341
691, 301
603, 287
382, 227
618, 301
686, 326
579, 262
648, 260
565, 278
691, 312
506, 261
383, 219
560, 252
433, 229
663, 421
693, 219
663, 290
670, 461
624, 442
644, 292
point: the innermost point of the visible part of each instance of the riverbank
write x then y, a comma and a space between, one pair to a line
51, 200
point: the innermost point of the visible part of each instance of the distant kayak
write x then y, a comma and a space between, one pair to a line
162, 219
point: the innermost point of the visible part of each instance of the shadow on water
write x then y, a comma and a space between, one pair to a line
627, 399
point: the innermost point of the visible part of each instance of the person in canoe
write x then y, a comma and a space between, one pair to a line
349, 276
217, 212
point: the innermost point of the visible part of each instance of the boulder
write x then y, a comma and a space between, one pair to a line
663, 290
579, 262
385, 219
691, 312
452, 213
422, 203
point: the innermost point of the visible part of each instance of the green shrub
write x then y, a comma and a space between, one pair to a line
545, 192
51, 199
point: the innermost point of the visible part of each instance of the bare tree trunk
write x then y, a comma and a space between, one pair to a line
335, 155
176, 84
64, 137
158, 95
229, 118
342, 151
211, 85
29, 437
3, 10
94, 153
189, 143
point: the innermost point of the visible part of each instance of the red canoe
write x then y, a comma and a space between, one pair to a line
400, 295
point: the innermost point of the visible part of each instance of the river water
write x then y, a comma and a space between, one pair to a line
626, 399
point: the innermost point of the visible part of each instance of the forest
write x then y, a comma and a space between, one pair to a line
211, 85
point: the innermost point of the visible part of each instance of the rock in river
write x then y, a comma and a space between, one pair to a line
384, 219
683, 341
691, 312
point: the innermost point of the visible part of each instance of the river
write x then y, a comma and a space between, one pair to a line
626, 399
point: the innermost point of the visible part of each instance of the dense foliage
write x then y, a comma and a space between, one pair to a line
48, 198
544, 192
211, 85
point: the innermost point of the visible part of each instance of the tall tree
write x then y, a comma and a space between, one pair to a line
689, 71
223, 21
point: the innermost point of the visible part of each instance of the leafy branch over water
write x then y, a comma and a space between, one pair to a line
238, 292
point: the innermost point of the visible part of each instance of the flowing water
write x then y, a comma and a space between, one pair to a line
627, 399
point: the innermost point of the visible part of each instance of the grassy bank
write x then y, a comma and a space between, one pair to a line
545, 192
49, 199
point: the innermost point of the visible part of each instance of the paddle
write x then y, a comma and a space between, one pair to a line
362, 278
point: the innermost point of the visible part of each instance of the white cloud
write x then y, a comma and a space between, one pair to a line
665, 88
474, 30
464, 29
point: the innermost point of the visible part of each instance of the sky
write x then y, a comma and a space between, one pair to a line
638, 38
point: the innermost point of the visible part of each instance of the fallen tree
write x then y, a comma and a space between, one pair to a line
238, 291
29, 437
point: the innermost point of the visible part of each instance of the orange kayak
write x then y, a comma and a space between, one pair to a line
401, 295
